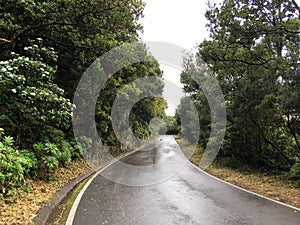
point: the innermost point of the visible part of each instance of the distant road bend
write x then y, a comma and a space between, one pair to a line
190, 196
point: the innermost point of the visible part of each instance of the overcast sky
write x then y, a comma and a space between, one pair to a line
181, 22
175, 21
178, 22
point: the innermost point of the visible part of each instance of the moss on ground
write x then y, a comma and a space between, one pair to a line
61, 213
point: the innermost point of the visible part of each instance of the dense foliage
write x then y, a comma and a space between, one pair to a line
45, 48
172, 126
78, 30
15, 165
254, 53
32, 105
142, 111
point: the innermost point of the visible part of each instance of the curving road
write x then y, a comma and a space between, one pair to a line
169, 190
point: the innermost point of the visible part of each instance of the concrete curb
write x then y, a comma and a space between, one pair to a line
245, 190
79, 196
48, 207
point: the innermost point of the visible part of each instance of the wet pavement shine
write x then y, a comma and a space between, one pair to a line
157, 185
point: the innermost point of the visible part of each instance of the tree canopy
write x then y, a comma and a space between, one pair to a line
253, 50
46, 46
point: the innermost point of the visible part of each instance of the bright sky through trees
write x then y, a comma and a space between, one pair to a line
177, 22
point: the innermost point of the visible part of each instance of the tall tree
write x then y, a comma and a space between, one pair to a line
78, 30
254, 49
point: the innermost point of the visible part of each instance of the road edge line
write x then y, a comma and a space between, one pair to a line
243, 189
73, 210
79, 196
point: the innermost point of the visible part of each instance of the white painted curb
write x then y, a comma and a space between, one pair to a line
79, 196
250, 192
73, 210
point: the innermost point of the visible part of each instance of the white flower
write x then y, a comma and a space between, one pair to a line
26, 48
32, 93
3, 69
14, 90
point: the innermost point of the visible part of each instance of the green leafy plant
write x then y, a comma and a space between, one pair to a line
253, 52
32, 105
15, 165
66, 150
48, 156
294, 172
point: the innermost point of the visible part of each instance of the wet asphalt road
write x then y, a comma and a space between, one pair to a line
169, 190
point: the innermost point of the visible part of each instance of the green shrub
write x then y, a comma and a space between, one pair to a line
49, 164
50, 156
33, 107
47, 155
66, 150
294, 172
15, 165
80, 150
77, 151
51, 134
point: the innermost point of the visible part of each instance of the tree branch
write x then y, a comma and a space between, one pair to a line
246, 62
5, 40
256, 123
297, 7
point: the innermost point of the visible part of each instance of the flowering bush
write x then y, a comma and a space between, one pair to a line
32, 105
